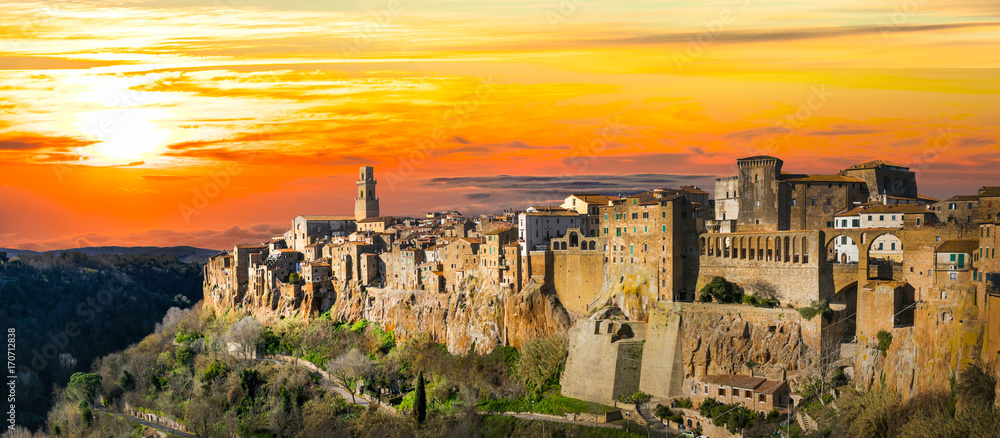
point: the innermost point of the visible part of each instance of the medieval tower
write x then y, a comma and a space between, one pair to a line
366, 204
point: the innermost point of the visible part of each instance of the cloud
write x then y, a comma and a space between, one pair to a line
795, 34
844, 130
476, 196
34, 142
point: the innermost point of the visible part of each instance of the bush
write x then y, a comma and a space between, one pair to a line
884, 340
720, 290
707, 407
184, 355
637, 398
758, 301
663, 412
820, 307
685, 403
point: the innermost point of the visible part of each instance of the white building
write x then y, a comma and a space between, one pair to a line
539, 224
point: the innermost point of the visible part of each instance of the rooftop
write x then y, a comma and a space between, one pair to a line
326, 217
748, 382
826, 178
962, 246
875, 163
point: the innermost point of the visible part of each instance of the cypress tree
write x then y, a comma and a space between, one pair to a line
420, 400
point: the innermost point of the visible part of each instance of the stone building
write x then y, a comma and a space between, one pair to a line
307, 229
587, 204
758, 394
655, 232
366, 204
537, 225
762, 197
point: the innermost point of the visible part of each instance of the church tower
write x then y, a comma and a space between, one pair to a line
366, 204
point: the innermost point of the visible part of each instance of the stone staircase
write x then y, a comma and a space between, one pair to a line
806, 422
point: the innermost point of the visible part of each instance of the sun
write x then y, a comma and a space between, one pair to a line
127, 125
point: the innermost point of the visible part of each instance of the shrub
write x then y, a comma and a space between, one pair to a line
663, 412
685, 403
720, 290
637, 398
820, 307
884, 340
707, 407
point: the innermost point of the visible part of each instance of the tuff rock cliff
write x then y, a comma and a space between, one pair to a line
475, 317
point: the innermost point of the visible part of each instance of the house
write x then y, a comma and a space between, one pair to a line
755, 393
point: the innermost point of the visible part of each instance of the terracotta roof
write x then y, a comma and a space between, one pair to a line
553, 213
250, 245
593, 198
963, 198
873, 164
963, 246
928, 198
897, 208
770, 386
498, 231
748, 382
991, 191
826, 178
374, 219
326, 218
693, 189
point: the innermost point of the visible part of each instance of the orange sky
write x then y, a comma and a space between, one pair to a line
214, 122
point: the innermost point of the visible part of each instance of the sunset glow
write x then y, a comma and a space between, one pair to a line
121, 120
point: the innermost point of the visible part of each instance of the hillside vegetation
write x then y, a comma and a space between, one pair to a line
70, 308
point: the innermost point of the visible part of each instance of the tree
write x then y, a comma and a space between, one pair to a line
420, 400
721, 291
293, 278
84, 386
245, 334
541, 362
348, 368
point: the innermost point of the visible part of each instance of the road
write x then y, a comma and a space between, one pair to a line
149, 424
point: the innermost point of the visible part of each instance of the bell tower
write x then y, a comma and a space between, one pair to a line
366, 204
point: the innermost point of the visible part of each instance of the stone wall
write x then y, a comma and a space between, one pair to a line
577, 278
784, 264
602, 366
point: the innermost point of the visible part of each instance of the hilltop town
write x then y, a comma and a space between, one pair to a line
825, 269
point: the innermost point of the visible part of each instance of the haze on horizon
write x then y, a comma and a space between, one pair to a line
116, 115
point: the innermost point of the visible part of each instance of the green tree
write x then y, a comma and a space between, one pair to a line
84, 386
721, 290
293, 278
420, 400
127, 381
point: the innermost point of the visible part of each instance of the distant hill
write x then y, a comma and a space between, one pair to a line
183, 253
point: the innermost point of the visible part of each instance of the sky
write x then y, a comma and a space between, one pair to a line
215, 122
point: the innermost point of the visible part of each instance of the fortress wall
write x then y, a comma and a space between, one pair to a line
791, 270
577, 278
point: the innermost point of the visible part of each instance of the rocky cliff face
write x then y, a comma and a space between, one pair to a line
716, 342
922, 358
474, 318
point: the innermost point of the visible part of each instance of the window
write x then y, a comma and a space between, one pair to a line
856, 223
881, 217
618, 231
829, 224
722, 392
953, 276
756, 178
951, 206
937, 238
762, 398
631, 249
747, 393
645, 229
892, 246
869, 218
705, 390
843, 240
814, 202
757, 204
918, 222
664, 228
793, 202
829, 201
